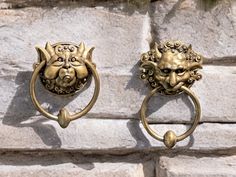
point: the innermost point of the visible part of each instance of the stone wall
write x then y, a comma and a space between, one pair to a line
110, 140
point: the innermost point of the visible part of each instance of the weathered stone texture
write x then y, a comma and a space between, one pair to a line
121, 90
113, 136
76, 170
196, 166
8, 4
121, 96
119, 38
210, 28
113, 126
63, 164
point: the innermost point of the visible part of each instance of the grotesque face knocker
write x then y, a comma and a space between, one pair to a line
170, 66
65, 71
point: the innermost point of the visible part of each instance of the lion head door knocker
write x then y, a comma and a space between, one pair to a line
170, 68
64, 69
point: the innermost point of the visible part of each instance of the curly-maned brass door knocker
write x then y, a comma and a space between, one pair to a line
64, 69
170, 68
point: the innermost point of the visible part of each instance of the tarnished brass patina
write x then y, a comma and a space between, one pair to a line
64, 69
170, 68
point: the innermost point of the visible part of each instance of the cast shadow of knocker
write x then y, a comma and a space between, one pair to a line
21, 112
21, 109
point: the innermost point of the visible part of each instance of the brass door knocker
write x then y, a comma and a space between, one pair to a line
64, 69
170, 68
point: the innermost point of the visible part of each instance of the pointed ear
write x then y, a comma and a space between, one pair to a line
81, 48
42, 54
149, 65
158, 53
50, 49
88, 53
195, 65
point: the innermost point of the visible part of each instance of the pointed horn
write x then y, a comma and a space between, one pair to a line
155, 46
81, 48
189, 48
88, 53
42, 54
158, 53
50, 49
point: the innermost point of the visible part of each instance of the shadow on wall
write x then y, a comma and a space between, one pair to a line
46, 159
126, 6
138, 85
86, 162
207, 4
137, 133
22, 106
143, 88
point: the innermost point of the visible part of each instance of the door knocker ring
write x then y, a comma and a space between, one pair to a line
170, 68
64, 69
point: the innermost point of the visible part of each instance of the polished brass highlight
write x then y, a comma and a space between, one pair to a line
64, 69
170, 68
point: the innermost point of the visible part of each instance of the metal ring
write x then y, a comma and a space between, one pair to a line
64, 117
170, 138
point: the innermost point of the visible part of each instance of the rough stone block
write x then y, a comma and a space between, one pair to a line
66, 169
110, 136
208, 25
121, 96
196, 166
119, 38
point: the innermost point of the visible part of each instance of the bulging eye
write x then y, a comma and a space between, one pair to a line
179, 71
166, 70
60, 59
60, 49
73, 59
71, 48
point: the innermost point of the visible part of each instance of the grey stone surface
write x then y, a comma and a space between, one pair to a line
208, 25
72, 163
6, 4
121, 96
196, 166
68, 169
113, 126
121, 90
110, 136
119, 38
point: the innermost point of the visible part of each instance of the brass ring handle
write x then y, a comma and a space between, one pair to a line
64, 116
170, 68
170, 138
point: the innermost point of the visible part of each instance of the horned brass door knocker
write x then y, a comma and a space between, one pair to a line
64, 69
170, 68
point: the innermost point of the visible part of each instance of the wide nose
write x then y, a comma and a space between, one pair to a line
173, 79
67, 64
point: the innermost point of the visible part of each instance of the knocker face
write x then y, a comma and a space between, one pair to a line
65, 71
170, 66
